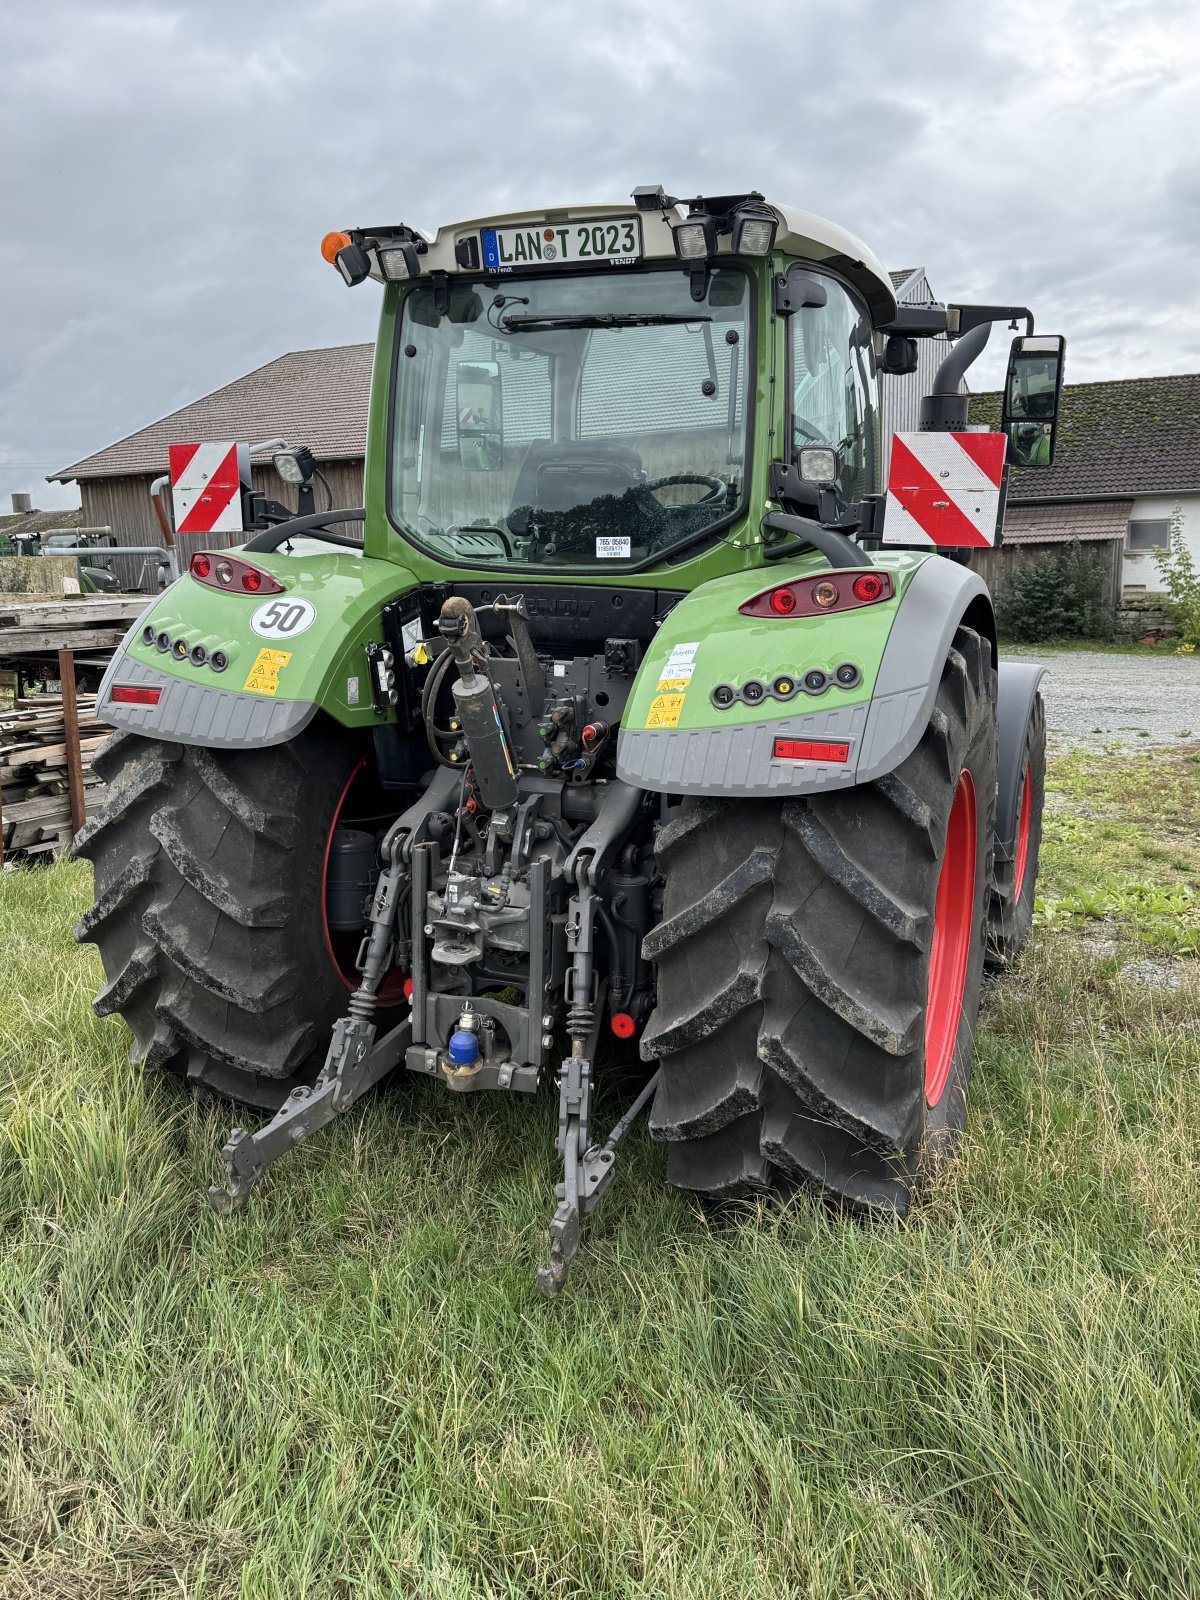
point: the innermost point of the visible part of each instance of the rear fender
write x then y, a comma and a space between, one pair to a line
674, 738
276, 679
1016, 692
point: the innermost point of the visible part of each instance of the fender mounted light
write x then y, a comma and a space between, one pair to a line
220, 571
822, 595
129, 694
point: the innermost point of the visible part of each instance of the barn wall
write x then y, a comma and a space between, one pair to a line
995, 566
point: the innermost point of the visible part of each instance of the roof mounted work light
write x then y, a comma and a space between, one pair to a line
397, 260
354, 264
754, 228
695, 236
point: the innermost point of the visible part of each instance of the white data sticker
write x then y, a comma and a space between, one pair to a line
560, 669
351, 691
681, 663
283, 618
612, 548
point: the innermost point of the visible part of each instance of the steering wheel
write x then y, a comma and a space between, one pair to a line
811, 435
717, 488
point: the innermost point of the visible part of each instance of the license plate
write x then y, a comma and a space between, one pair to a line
618, 241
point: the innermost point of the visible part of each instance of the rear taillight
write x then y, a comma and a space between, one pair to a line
810, 750
128, 694
817, 597
227, 572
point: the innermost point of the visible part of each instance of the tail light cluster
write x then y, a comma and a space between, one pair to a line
227, 572
815, 597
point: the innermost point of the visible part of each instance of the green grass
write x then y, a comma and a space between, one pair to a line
353, 1389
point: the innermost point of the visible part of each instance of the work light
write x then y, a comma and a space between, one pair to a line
818, 464
695, 237
397, 261
353, 263
754, 228
294, 465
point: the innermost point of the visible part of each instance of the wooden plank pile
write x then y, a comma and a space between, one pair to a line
30, 627
35, 806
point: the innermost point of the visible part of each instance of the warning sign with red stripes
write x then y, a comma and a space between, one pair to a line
944, 489
206, 484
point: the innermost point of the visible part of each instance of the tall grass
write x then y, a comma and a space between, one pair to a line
353, 1389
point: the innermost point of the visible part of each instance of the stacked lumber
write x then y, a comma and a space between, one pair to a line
31, 627
35, 807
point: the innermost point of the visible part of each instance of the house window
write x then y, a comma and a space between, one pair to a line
1149, 534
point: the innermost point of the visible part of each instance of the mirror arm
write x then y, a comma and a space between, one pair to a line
837, 549
962, 319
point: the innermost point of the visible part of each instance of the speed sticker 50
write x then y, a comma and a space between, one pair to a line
283, 618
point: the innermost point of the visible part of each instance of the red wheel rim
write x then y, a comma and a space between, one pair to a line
392, 989
1024, 820
953, 926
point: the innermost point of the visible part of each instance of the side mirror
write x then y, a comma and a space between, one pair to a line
1032, 397
479, 407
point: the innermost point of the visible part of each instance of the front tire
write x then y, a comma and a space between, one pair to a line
819, 968
209, 869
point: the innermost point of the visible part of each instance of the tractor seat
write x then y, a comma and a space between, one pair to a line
562, 476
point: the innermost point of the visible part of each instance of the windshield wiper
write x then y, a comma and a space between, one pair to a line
602, 319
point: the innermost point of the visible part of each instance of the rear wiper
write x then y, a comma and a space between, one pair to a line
602, 319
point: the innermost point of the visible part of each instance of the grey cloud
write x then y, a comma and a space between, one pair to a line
170, 166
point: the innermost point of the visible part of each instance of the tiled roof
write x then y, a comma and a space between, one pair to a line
1130, 436
312, 397
1057, 524
901, 277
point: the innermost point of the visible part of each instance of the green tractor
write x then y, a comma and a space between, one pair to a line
641, 707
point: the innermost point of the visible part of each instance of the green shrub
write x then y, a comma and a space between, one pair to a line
1056, 596
1181, 581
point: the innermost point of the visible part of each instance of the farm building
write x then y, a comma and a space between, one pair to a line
312, 397
1127, 460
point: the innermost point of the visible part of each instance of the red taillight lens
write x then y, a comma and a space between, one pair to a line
227, 572
810, 750
868, 587
819, 596
127, 694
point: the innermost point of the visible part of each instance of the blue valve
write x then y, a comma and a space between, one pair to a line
464, 1048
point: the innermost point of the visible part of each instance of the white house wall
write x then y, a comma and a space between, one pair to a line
1140, 573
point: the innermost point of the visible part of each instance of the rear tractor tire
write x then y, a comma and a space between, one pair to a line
209, 869
1014, 883
819, 969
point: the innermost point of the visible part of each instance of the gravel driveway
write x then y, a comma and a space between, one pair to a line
1094, 698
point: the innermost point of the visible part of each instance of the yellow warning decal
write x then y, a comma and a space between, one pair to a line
664, 711
672, 685
263, 677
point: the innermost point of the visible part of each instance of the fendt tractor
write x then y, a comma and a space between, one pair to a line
642, 707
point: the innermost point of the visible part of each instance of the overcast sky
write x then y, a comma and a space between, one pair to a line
167, 168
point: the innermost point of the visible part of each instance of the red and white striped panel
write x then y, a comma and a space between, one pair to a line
206, 484
944, 489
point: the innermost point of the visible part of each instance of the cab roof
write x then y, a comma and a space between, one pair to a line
800, 234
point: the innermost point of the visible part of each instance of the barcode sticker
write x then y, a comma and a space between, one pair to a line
609, 547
